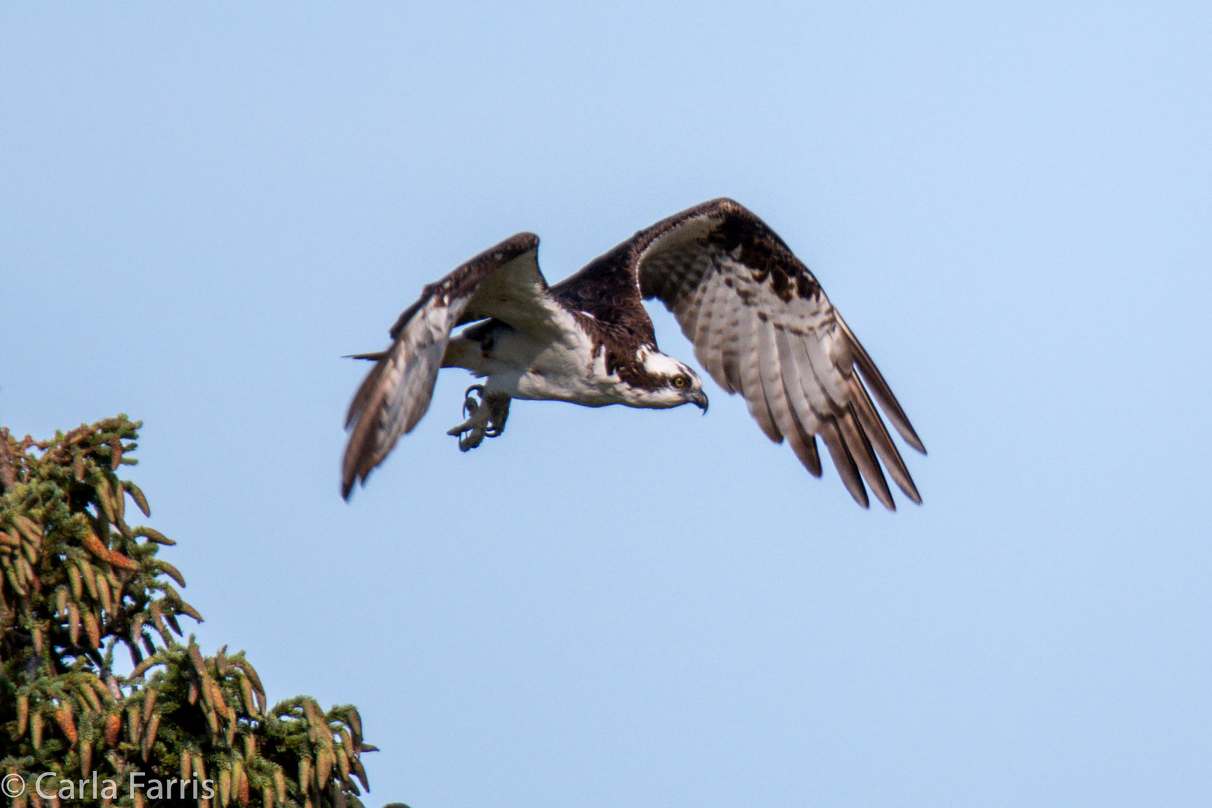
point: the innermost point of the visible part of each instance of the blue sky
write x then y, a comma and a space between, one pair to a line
203, 209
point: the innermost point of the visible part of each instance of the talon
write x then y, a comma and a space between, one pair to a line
498, 413
485, 418
471, 439
474, 399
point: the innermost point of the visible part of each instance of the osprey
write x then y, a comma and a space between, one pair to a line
760, 323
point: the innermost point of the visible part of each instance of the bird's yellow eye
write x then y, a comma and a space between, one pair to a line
680, 381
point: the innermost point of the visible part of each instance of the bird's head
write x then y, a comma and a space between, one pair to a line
668, 383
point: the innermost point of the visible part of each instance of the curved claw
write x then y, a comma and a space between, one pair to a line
498, 414
485, 416
474, 398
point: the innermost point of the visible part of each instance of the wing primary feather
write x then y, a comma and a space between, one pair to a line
803, 444
805, 449
834, 385
396, 394
365, 410
860, 450
844, 462
366, 391
877, 433
880, 389
823, 413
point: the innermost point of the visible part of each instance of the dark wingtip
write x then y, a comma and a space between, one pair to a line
350, 471
910, 436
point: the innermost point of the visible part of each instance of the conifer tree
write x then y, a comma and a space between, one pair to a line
79, 585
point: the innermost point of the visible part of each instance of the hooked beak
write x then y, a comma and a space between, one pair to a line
700, 400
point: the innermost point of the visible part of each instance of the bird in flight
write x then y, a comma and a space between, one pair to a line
759, 321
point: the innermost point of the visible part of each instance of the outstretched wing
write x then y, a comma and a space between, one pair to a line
503, 282
762, 326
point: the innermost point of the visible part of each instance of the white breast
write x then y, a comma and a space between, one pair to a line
564, 368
